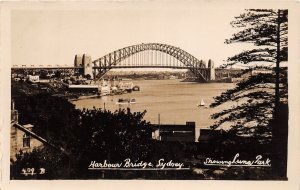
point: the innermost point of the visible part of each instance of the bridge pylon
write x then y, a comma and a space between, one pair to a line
211, 67
84, 61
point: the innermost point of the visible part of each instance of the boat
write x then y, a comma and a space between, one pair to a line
126, 86
136, 88
104, 90
202, 103
126, 101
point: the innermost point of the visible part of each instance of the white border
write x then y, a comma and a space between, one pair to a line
294, 108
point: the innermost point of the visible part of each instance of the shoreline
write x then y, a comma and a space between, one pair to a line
83, 97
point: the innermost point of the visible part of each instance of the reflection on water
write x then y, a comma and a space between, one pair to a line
175, 101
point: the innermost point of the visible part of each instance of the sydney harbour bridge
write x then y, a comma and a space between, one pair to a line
145, 55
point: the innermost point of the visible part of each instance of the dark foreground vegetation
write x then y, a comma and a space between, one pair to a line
81, 136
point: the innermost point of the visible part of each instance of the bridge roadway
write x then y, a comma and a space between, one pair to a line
219, 73
45, 68
144, 66
138, 54
106, 67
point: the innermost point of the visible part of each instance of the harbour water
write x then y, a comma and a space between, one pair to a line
172, 101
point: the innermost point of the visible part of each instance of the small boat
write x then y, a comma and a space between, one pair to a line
136, 88
126, 101
202, 103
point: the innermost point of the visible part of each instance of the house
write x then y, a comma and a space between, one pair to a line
210, 135
22, 138
170, 132
33, 78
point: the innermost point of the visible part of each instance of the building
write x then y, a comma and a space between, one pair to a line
261, 71
172, 77
84, 88
33, 78
22, 138
210, 135
170, 132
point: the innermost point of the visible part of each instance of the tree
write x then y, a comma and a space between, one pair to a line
52, 117
78, 137
263, 111
258, 96
57, 74
84, 135
88, 76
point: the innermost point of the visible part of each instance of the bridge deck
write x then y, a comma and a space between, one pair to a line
31, 68
144, 66
107, 67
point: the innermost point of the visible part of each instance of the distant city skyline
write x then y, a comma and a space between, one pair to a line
54, 37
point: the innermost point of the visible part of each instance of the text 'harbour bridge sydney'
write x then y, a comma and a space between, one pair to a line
145, 55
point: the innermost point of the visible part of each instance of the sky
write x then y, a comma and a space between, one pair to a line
55, 36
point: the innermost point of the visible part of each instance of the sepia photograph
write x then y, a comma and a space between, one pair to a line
149, 91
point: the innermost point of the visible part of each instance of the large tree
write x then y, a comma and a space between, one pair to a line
84, 135
258, 98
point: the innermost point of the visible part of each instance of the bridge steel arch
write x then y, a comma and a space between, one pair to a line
111, 60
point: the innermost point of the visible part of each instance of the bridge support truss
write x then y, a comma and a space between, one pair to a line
110, 61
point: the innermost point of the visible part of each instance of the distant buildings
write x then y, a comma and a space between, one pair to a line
185, 133
33, 78
252, 72
263, 71
173, 77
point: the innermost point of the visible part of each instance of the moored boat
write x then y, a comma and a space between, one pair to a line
126, 101
136, 88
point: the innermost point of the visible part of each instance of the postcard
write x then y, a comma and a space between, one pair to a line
130, 94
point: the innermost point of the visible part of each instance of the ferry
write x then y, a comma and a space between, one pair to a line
126, 101
104, 88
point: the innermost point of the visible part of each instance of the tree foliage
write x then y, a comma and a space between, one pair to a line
254, 97
53, 117
259, 27
104, 135
84, 135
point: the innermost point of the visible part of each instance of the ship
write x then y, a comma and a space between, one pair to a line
126, 101
104, 88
